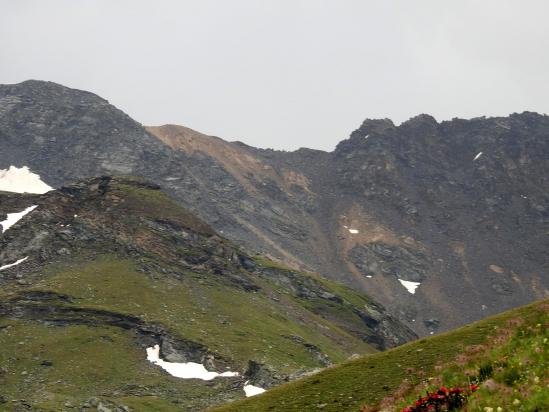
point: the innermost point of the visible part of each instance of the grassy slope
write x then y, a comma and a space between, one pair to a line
105, 361
370, 379
108, 362
512, 369
236, 324
88, 362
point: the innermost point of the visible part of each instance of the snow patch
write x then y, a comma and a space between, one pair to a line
251, 390
188, 370
13, 264
477, 156
410, 286
22, 180
365, 137
13, 218
369, 276
353, 231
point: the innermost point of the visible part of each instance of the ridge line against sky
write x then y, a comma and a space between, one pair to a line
288, 73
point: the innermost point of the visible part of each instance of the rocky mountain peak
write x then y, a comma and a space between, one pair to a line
370, 130
378, 126
32, 90
422, 123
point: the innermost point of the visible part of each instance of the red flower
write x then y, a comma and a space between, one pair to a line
447, 398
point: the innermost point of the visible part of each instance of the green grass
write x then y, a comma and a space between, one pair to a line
153, 203
104, 361
236, 324
269, 263
512, 369
83, 362
340, 289
367, 381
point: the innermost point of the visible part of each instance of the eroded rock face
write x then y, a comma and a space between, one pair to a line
449, 200
396, 261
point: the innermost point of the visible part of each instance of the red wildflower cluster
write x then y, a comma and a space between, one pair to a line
445, 399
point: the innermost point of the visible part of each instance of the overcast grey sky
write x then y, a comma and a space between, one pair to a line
285, 73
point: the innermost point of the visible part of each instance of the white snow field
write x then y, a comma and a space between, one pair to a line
410, 286
191, 370
13, 264
188, 370
22, 180
251, 390
13, 218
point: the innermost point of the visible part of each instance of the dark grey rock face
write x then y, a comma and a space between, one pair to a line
472, 230
460, 207
398, 262
65, 135
472, 194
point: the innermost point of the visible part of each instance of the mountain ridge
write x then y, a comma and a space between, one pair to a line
407, 203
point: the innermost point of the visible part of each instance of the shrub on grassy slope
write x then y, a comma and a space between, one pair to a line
444, 399
511, 370
399, 375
